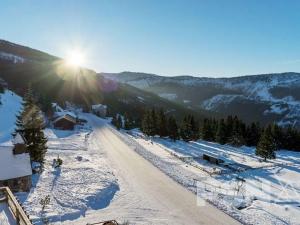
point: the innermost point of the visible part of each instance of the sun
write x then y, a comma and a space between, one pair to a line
75, 58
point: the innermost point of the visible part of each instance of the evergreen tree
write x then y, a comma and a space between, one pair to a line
194, 127
114, 120
27, 105
30, 124
221, 132
291, 139
119, 122
186, 132
149, 123
153, 125
266, 146
207, 130
161, 123
253, 133
127, 122
34, 135
238, 133
173, 129
229, 126
277, 135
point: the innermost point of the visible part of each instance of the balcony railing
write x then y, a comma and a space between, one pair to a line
14, 206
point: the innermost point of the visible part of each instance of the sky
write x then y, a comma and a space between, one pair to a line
176, 37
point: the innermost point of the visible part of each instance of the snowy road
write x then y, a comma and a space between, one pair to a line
147, 195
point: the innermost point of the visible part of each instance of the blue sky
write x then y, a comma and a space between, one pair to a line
201, 38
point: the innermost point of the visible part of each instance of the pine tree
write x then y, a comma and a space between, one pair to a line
207, 130
30, 124
119, 122
161, 123
127, 122
153, 124
277, 135
266, 146
146, 121
27, 104
173, 129
221, 132
194, 127
34, 135
114, 120
186, 132
253, 133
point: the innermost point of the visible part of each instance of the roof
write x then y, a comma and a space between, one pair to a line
13, 166
18, 139
65, 117
60, 114
57, 107
99, 106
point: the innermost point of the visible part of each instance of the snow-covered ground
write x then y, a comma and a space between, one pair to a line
83, 182
101, 178
11, 104
259, 193
6, 217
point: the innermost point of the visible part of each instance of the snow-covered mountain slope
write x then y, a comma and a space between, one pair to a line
9, 107
50, 77
264, 97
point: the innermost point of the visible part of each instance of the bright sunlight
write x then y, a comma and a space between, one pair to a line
75, 58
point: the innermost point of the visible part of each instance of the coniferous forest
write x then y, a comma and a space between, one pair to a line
231, 130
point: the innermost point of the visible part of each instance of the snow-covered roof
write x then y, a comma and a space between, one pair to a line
67, 117
99, 106
57, 107
18, 139
64, 113
13, 166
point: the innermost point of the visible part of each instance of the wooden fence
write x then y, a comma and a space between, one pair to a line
14, 206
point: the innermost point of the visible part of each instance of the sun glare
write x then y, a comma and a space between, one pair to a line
75, 58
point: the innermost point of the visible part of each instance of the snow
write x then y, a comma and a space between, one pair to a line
271, 192
18, 139
169, 96
11, 105
6, 217
14, 58
215, 101
13, 166
98, 106
83, 183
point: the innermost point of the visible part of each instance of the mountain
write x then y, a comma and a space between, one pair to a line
265, 98
53, 79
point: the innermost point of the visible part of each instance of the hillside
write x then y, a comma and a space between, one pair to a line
264, 98
54, 80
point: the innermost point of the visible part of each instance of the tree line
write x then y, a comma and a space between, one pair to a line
231, 130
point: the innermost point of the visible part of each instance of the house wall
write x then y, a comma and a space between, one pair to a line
18, 184
64, 124
19, 149
100, 112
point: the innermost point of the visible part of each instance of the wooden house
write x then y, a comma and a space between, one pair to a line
65, 122
99, 110
15, 165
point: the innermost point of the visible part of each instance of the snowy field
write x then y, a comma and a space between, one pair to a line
252, 191
83, 182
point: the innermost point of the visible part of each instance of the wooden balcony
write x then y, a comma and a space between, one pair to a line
7, 197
